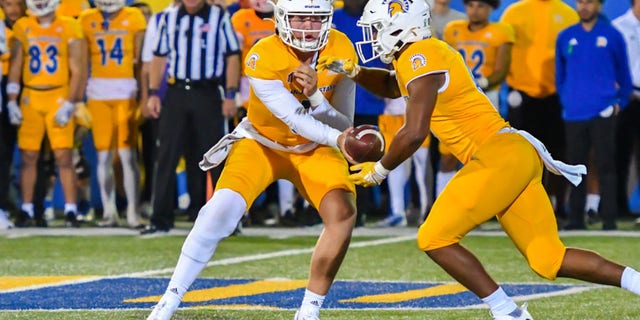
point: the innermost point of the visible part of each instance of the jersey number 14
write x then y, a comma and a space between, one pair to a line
115, 53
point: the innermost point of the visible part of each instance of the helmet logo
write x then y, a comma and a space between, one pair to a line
396, 6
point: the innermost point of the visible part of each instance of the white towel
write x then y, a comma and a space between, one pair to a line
573, 173
216, 155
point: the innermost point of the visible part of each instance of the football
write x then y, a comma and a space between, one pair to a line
364, 143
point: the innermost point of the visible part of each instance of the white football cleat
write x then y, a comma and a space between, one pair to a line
166, 307
5, 223
524, 315
300, 316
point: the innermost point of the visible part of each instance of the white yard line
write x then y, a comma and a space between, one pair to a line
221, 262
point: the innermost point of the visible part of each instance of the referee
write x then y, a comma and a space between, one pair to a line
198, 43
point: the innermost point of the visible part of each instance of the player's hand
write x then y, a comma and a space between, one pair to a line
64, 113
229, 108
338, 65
341, 140
153, 107
83, 117
307, 78
368, 174
15, 115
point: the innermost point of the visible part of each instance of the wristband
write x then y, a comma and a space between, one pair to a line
152, 92
316, 98
380, 169
230, 93
483, 83
13, 88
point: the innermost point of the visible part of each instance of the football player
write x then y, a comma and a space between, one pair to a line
503, 166
114, 34
47, 53
485, 46
295, 118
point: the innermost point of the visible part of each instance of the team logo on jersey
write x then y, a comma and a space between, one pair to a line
601, 42
418, 61
397, 6
251, 61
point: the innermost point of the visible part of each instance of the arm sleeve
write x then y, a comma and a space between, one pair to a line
623, 75
150, 39
339, 112
161, 46
283, 105
560, 65
229, 34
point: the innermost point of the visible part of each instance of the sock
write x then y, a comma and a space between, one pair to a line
500, 303
593, 202
70, 207
311, 303
28, 208
442, 178
630, 280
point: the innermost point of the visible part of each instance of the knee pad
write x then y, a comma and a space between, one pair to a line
545, 258
217, 219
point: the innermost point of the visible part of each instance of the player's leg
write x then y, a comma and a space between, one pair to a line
126, 143
330, 191
248, 170
61, 139
30, 135
467, 203
103, 132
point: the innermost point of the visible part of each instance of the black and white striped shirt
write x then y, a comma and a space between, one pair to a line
196, 45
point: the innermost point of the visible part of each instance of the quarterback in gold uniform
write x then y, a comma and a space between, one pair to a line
47, 53
295, 122
114, 35
502, 171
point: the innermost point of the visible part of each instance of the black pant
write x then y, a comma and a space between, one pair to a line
8, 136
190, 123
542, 117
598, 133
627, 144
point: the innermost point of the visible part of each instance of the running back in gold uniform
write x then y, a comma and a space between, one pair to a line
45, 53
479, 49
271, 59
112, 87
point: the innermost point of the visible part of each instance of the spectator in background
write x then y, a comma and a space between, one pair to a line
442, 14
368, 105
593, 82
114, 34
200, 45
533, 101
52, 87
628, 129
485, 46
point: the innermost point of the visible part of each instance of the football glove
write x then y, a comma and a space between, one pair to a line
83, 117
64, 113
15, 115
337, 65
370, 174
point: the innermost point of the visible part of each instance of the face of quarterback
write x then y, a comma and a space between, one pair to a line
306, 28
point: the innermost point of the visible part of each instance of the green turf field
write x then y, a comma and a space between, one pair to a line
99, 277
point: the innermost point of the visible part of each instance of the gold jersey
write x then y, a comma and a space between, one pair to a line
247, 23
537, 24
272, 59
479, 49
463, 118
112, 44
72, 8
46, 49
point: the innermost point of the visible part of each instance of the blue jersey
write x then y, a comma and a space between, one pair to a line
366, 103
592, 70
